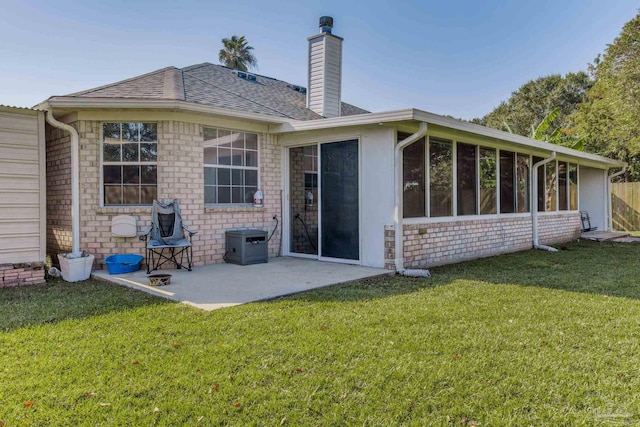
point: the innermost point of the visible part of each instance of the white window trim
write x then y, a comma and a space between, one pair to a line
532, 198
103, 163
256, 168
427, 177
496, 153
463, 218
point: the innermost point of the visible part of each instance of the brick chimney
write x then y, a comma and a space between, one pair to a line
325, 71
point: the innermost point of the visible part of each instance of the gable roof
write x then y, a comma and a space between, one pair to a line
209, 88
215, 86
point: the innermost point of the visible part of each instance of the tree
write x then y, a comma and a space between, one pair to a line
237, 54
611, 111
542, 132
536, 99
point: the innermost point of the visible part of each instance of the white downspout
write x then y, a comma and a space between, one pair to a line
610, 209
75, 180
534, 203
399, 261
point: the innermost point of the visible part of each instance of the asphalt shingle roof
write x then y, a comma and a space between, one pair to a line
216, 86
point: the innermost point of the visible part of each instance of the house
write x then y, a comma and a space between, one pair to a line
333, 175
22, 196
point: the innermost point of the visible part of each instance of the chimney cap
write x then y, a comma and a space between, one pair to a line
326, 24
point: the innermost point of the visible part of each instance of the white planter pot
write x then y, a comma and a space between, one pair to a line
76, 269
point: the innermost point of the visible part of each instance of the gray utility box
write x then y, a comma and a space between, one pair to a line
246, 247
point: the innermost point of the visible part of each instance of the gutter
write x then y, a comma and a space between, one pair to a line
610, 209
75, 179
534, 203
163, 104
398, 153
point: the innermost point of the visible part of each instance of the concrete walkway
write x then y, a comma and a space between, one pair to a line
223, 285
604, 236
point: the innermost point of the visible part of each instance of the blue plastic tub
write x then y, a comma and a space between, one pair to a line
123, 263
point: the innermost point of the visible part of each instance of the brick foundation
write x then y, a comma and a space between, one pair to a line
446, 242
23, 274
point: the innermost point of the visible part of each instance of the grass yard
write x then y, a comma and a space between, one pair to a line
533, 338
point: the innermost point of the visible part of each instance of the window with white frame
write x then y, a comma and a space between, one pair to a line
573, 187
540, 177
551, 187
230, 166
567, 186
507, 182
467, 176
129, 163
413, 174
441, 169
563, 193
487, 180
522, 183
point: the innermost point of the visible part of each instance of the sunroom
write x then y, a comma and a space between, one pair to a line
464, 191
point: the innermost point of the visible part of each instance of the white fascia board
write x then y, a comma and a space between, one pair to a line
356, 120
168, 104
510, 137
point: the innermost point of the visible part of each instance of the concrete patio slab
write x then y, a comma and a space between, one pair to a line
223, 285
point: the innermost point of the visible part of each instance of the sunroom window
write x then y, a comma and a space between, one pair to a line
507, 182
573, 187
129, 163
551, 187
230, 166
440, 177
563, 194
540, 177
467, 179
482, 180
413, 173
488, 182
522, 183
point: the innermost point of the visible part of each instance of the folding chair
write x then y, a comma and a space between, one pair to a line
586, 222
167, 239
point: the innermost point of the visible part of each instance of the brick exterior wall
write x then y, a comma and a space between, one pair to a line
24, 274
560, 228
58, 152
181, 176
438, 243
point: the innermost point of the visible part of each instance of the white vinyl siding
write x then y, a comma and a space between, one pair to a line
333, 73
316, 71
325, 75
22, 190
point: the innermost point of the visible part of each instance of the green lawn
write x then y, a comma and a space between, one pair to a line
534, 338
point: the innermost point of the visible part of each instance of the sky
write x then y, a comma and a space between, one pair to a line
455, 57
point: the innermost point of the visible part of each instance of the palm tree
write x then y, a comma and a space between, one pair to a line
237, 54
556, 137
